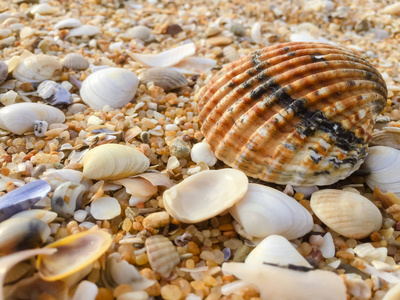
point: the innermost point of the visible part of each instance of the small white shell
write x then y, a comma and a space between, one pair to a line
141, 32
328, 247
276, 283
105, 208
53, 93
347, 213
167, 58
140, 189
383, 163
20, 117
84, 30
37, 68
264, 211
166, 78
205, 194
162, 254
75, 61
256, 33
111, 86
68, 23
113, 161
43, 9
202, 152
276, 249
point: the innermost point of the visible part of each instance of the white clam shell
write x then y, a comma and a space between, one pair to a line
84, 30
202, 152
383, 163
167, 58
347, 213
113, 161
205, 194
68, 23
20, 117
276, 249
276, 283
111, 86
264, 211
105, 208
43, 9
37, 68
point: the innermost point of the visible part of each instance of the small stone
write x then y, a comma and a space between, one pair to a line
173, 29
142, 259
241, 253
179, 148
212, 30
238, 29
233, 244
198, 285
219, 41
80, 215
122, 289
171, 292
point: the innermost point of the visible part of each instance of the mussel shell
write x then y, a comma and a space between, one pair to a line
298, 113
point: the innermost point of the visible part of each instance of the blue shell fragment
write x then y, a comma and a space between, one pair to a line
23, 198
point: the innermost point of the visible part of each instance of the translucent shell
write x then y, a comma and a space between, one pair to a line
298, 113
113, 161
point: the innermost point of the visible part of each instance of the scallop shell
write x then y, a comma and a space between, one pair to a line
20, 117
265, 211
347, 213
276, 249
298, 113
37, 68
166, 78
162, 254
22, 233
383, 163
205, 195
276, 283
3, 71
388, 136
111, 86
74, 253
68, 23
113, 161
75, 61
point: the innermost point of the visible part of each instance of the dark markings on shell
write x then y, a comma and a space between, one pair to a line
293, 113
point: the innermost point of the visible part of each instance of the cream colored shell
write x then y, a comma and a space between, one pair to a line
113, 161
37, 68
205, 194
347, 213
162, 254
298, 113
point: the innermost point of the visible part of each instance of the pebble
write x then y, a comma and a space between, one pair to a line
171, 292
179, 148
219, 41
241, 253
238, 29
80, 215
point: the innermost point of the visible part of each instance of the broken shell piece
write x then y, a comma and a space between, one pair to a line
105, 208
20, 117
118, 271
383, 163
255, 33
140, 189
388, 136
167, 58
369, 253
84, 30
205, 194
202, 152
162, 254
166, 78
22, 233
276, 249
74, 253
393, 293
347, 213
110, 86
68, 23
113, 161
328, 247
67, 198
276, 283
41, 214
37, 68
3, 71
264, 211
86, 290
23, 198
53, 93
75, 61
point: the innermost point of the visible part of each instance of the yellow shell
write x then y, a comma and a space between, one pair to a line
113, 161
299, 113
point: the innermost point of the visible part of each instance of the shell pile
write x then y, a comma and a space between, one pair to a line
298, 113
199, 150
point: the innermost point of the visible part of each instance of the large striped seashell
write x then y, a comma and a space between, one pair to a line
298, 113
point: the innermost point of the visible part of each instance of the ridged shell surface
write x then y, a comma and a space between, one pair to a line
37, 68
166, 78
162, 254
299, 113
75, 61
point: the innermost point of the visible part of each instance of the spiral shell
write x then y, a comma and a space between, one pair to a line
298, 113
111, 86
37, 68
113, 161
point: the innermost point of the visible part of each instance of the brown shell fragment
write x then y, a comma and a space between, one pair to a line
299, 113
166, 78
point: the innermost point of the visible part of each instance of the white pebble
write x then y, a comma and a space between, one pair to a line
40, 127
203, 152
172, 163
171, 127
105, 208
80, 215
